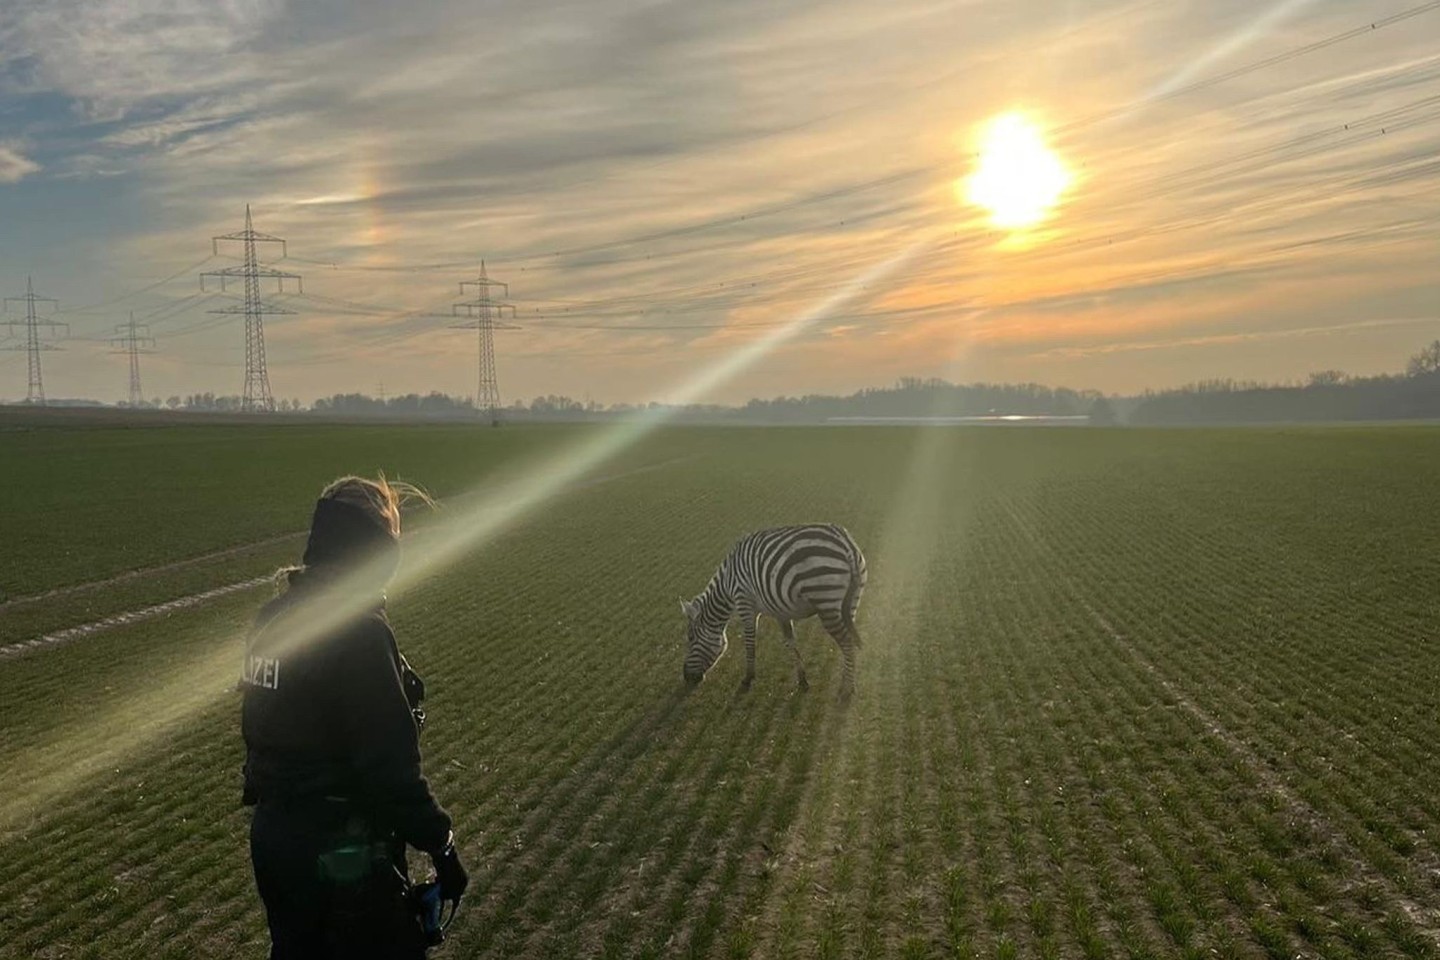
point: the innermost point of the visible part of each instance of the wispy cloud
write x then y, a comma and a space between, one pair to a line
1230, 339
14, 166
114, 56
657, 178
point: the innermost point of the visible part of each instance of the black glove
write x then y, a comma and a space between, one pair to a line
450, 872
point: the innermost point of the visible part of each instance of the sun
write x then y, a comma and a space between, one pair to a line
1018, 179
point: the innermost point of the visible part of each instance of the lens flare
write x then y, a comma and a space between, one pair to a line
1018, 179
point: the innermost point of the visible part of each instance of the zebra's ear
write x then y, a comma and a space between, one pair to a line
687, 608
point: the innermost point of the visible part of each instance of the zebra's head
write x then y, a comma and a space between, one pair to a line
704, 643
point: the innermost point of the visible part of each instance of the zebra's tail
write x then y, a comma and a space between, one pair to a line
858, 575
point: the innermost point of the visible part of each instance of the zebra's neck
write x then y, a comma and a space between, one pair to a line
717, 600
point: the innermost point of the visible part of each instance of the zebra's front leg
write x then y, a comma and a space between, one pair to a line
747, 624
787, 627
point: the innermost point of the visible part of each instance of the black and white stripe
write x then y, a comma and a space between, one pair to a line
787, 573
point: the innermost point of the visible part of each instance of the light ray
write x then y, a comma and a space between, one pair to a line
1235, 42
910, 537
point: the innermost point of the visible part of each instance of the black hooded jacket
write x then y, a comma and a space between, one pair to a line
330, 718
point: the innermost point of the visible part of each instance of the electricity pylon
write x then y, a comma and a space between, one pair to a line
133, 339
257, 378
36, 328
487, 313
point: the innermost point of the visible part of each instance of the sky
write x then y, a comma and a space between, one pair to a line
1253, 190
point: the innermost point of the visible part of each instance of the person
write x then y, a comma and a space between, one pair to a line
331, 719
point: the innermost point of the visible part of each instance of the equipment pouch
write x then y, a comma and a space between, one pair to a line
366, 897
352, 855
347, 865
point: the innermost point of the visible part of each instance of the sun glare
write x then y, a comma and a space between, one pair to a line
1018, 179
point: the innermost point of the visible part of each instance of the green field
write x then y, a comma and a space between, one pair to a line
1124, 693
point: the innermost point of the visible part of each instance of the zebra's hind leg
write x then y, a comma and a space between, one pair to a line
847, 638
787, 627
847, 650
747, 624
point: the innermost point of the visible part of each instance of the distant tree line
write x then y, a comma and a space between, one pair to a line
213, 403
1328, 395
916, 397
910, 397
437, 404
433, 404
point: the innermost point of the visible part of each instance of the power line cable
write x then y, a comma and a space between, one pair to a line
139, 290
1293, 53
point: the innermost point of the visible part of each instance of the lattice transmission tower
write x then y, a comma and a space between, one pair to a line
256, 397
133, 339
38, 333
487, 313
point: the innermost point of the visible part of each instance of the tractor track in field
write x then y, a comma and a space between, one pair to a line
60, 637
145, 572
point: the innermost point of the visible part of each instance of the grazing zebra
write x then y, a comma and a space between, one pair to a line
788, 573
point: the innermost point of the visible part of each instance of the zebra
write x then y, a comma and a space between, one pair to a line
787, 573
